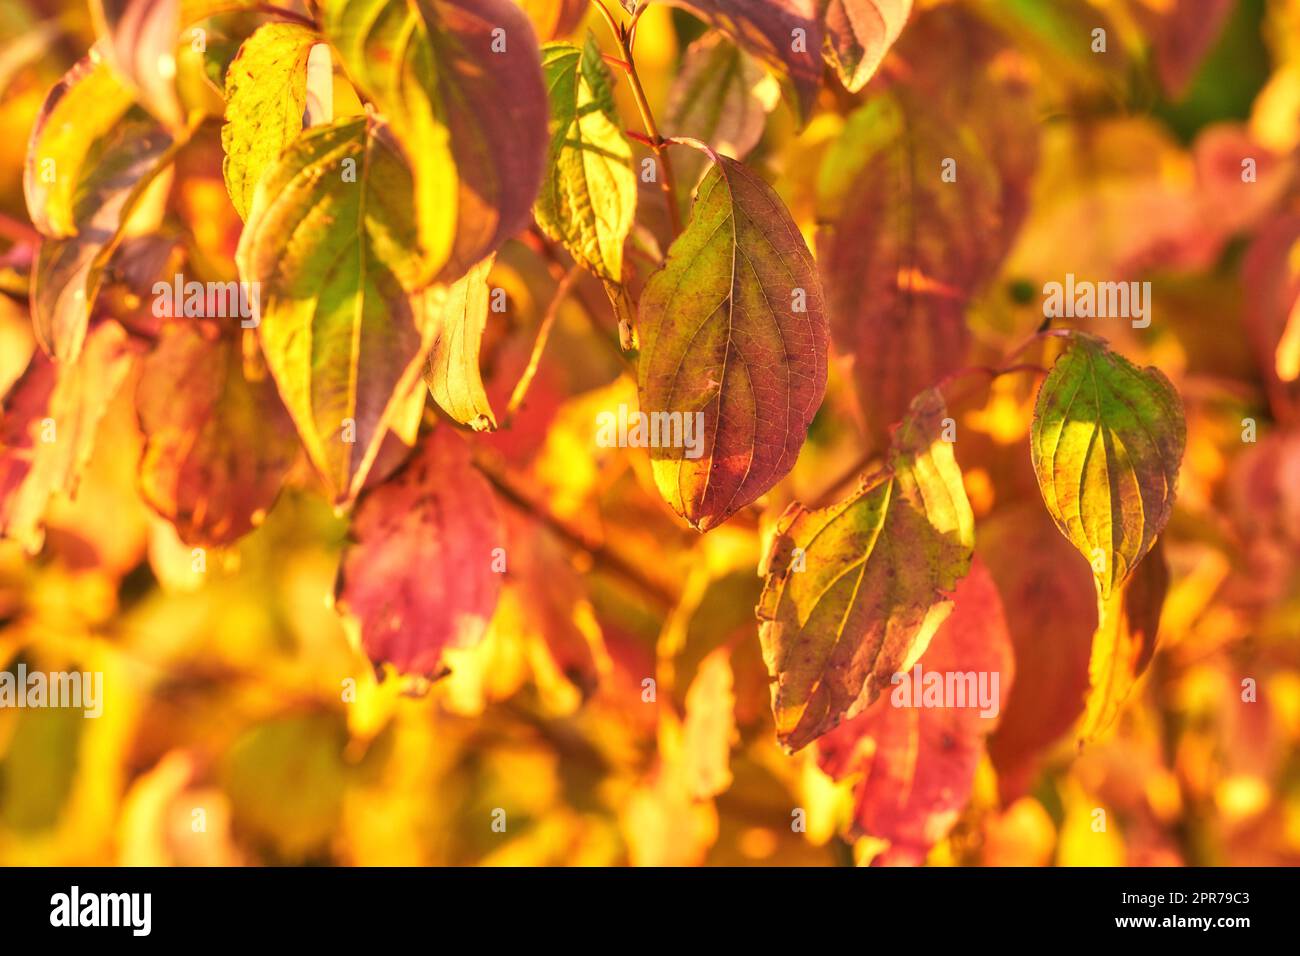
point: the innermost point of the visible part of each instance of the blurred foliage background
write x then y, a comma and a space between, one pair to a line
242, 726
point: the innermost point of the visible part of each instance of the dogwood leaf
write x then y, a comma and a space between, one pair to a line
453, 374
266, 93
459, 82
733, 328
1106, 444
419, 577
859, 33
330, 242
855, 591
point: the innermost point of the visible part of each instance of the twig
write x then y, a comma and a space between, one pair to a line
572, 534
543, 334
624, 36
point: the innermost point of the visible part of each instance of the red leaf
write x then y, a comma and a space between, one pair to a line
218, 445
419, 577
918, 763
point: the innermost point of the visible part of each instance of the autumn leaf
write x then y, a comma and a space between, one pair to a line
1182, 32
859, 33
855, 591
1270, 273
1106, 444
917, 750
917, 214
588, 197
785, 34
47, 428
733, 329
266, 93
722, 97
419, 578
554, 18
218, 446
139, 41
343, 331
1050, 595
1127, 623
90, 157
452, 373
459, 82
709, 727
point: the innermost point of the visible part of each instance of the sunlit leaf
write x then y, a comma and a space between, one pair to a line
1127, 622
330, 240
452, 373
1106, 444
91, 155
858, 34
786, 34
460, 83
709, 728
218, 446
734, 339
588, 196
420, 577
856, 590
917, 750
266, 92
1049, 595
554, 18
140, 38
722, 97
917, 212
47, 431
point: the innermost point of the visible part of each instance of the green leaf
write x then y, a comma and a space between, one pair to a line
452, 373
733, 328
1106, 443
266, 93
588, 197
330, 240
459, 82
85, 171
855, 591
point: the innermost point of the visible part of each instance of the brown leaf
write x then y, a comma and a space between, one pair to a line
1270, 274
917, 750
419, 577
218, 446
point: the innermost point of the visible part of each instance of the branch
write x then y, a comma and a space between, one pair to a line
543, 334
624, 38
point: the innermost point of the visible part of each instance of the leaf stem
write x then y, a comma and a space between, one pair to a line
543, 334
624, 37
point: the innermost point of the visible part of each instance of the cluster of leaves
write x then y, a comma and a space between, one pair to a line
445, 200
